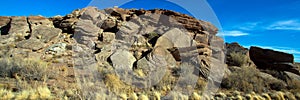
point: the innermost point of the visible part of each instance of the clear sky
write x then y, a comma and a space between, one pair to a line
273, 24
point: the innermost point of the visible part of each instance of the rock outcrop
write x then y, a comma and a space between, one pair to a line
273, 60
145, 48
243, 53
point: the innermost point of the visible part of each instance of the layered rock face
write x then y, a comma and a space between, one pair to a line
149, 50
154, 42
273, 60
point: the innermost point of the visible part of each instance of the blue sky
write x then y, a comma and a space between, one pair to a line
273, 24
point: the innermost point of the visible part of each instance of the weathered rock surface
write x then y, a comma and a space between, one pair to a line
122, 59
33, 44
39, 20
4, 25
86, 33
45, 34
237, 48
292, 76
150, 43
19, 25
273, 60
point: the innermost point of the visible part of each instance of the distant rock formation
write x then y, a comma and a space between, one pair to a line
273, 60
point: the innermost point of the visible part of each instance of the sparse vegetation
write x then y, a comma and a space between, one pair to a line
27, 68
42, 93
58, 76
294, 86
237, 59
248, 79
114, 84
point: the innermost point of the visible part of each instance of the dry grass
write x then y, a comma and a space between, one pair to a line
237, 59
245, 80
294, 86
114, 84
24, 68
201, 84
42, 93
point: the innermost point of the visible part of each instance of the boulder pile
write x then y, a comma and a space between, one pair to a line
133, 51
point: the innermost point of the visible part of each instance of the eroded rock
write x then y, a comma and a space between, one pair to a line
122, 59
273, 60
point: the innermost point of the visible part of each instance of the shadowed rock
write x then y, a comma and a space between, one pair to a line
273, 60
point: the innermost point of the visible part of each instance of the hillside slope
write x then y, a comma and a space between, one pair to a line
129, 53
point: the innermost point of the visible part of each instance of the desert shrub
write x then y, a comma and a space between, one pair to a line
42, 93
167, 82
201, 84
294, 86
249, 79
27, 68
246, 80
114, 83
237, 59
276, 85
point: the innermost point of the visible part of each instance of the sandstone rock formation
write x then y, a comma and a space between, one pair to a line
273, 60
235, 48
153, 50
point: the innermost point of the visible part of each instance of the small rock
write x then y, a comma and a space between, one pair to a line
58, 48
108, 37
201, 38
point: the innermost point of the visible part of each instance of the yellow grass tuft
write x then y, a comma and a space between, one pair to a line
2, 91
123, 96
238, 97
280, 95
266, 96
101, 96
33, 95
133, 96
195, 96
249, 97
22, 95
139, 72
157, 95
44, 92
143, 97
290, 96
113, 83
7, 95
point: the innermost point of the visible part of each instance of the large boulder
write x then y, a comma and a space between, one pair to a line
19, 25
161, 57
45, 33
273, 60
122, 59
266, 55
86, 33
39, 20
33, 44
40, 36
175, 38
